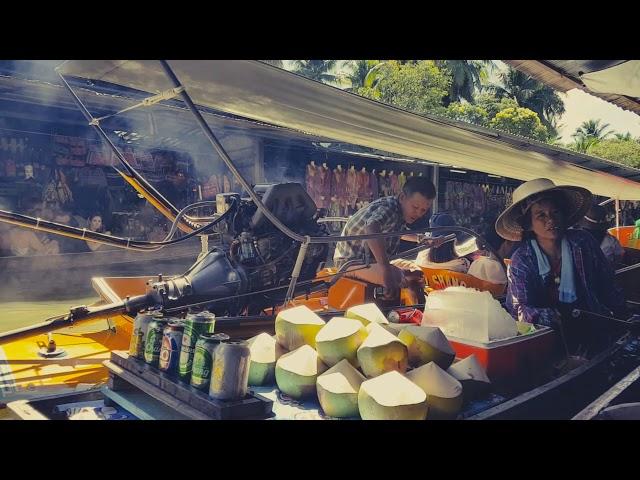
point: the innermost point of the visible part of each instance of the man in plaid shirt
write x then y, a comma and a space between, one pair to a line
385, 215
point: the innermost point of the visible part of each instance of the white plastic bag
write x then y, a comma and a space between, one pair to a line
468, 314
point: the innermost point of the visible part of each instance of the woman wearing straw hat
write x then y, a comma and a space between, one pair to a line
596, 223
555, 270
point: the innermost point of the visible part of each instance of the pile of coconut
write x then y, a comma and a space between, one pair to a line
361, 365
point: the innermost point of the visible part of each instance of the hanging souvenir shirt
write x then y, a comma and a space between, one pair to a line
338, 187
310, 182
402, 179
393, 183
352, 187
226, 184
324, 187
210, 189
373, 186
363, 186
384, 186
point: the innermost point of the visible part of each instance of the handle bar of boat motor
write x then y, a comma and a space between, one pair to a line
633, 324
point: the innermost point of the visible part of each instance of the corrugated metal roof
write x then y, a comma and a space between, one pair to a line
564, 75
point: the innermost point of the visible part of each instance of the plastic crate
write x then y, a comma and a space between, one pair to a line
521, 356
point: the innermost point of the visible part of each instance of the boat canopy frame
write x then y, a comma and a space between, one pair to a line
181, 90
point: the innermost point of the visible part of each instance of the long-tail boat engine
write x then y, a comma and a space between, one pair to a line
260, 258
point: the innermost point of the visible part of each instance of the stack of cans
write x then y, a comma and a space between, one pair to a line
195, 325
210, 362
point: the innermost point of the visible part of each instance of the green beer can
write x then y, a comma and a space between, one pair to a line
153, 342
139, 334
203, 359
194, 325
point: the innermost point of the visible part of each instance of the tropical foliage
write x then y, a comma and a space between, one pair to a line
319, 70
531, 94
467, 78
418, 87
623, 151
520, 121
593, 129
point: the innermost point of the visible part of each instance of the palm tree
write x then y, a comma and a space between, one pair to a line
467, 77
531, 94
358, 74
624, 136
582, 144
592, 129
317, 70
275, 63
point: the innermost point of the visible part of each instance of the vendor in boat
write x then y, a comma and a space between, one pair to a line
385, 215
555, 269
595, 222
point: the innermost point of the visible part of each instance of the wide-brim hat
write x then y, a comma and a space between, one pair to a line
576, 202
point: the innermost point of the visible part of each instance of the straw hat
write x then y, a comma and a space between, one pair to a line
577, 201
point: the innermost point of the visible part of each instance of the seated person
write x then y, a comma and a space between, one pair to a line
595, 222
95, 225
387, 214
24, 242
555, 269
478, 264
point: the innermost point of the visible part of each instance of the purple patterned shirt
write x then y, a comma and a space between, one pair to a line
527, 294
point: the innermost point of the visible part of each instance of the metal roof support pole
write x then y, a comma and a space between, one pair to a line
617, 213
296, 271
436, 180
225, 157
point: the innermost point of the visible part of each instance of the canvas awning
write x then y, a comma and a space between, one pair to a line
264, 93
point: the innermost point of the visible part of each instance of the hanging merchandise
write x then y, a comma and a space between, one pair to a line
373, 185
338, 192
352, 188
210, 188
57, 190
393, 183
311, 181
226, 184
364, 195
324, 187
100, 156
402, 179
383, 184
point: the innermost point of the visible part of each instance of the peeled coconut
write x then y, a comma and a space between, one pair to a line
381, 352
471, 376
297, 372
367, 313
339, 339
427, 344
265, 351
338, 390
297, 326
391, 396
444, 393
395, 328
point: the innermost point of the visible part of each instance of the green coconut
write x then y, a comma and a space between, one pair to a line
444, 393
391, 396
265, 351
338, 390
395, 328
427, 344
381, 352
297, 372
471, 376
367, 313
297, 326
340, 339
